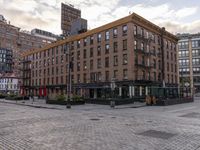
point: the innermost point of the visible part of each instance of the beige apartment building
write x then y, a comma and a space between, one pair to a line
131, 53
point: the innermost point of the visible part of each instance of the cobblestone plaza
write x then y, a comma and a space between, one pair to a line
98, 127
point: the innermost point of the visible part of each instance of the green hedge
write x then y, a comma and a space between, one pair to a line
16, 98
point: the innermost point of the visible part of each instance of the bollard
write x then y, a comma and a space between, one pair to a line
112, 104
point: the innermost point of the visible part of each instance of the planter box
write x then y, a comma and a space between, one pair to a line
174, 101
2, 96
65, 102
107, 101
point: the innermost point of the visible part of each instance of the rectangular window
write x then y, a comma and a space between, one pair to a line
99, 76
84, 77
91, 52
99, 37
84, 53
125, 74
85, 42
107, 47
107, 75
115, 46
91, 40
78, 44
115, 32
124, 29
125, 59
98, 50
78, 55
91, 64
124, 44
78, 66
107, 62
107, 35
84, 65
135, 45
99, 63
78, 78
115, 73
142, 46
135, 30
115, 60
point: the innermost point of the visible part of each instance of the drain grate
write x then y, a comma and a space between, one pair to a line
95, 119
191, 115
157, 134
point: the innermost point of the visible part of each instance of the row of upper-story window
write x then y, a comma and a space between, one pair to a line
93, 76
185, 44
99, 77
6, 80
139, 31
145, 47
185, 53
185, 62
184, 70
85, 66
187, 70
60, 59
63, 50
9, 86
90, 39
3, 51
195, 43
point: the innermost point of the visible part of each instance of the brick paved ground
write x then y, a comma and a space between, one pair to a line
97, 127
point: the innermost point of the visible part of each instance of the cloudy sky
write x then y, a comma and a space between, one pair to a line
176, 15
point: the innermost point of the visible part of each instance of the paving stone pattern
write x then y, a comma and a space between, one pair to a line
97, 127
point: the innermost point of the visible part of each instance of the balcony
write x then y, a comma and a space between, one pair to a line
141, 51
144, 79
143, 38
143, 65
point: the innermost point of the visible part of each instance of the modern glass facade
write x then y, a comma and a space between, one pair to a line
5, 60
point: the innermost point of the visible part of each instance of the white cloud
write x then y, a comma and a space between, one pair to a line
185, 12
178, 27
45, 14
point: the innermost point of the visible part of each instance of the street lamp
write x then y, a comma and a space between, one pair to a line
69, 87
112, 85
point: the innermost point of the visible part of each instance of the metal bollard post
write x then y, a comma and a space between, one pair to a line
112, 104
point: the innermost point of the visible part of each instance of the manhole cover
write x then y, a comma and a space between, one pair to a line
191, 115
157, 134
95, 119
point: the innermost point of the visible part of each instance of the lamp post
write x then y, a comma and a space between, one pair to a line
69, 87
112, 85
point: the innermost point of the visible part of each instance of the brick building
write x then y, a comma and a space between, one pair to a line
68, 15
12, 38
132, 52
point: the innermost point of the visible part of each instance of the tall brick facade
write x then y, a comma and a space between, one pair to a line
132, 52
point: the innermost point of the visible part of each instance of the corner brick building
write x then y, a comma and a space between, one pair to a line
132, 52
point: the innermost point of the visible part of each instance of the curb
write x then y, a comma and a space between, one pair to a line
29, 105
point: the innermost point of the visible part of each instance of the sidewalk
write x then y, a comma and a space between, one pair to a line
40, 103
